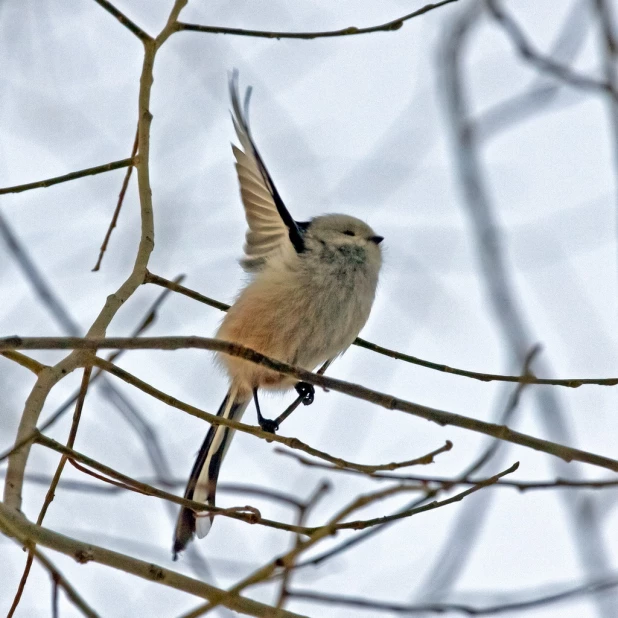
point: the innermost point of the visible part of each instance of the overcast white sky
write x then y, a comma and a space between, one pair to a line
357, 125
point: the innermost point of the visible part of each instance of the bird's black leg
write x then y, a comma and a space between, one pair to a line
306, 391
266, 424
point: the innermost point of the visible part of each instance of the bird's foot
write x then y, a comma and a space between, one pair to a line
306, 391
269, 425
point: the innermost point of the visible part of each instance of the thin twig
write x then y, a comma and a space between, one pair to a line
25, 361
427, 481
181, 289
288, 559
371, 470
389, 26
125, 21
293, 443
17, 526
368, 345
266, 572
129, 483
424, 482
57, 578
583, 590
91, 171
541, 62
52, 488
303, 512
123, 190
441, 417
377, 521
176, 483
48, 378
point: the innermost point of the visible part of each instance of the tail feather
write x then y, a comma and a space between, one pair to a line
202, 484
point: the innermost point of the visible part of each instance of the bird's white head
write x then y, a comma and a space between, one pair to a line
348, 236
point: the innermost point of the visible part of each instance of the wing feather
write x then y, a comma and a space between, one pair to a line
272, 229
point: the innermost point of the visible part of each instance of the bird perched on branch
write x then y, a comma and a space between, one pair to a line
313, 284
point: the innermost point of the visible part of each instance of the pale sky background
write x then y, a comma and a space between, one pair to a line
357, 125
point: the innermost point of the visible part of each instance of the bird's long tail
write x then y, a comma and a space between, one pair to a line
202, 484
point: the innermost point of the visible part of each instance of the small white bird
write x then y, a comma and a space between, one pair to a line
311, 293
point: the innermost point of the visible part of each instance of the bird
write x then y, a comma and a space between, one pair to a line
311, 289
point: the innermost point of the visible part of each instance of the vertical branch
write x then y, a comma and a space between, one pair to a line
609, 48
123, 191
500, 288
52, 487
49, 377
303, 511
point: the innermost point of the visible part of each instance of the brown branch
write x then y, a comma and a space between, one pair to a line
105, 479
385, 400
303, 512
389, 26
24, 361
91, 171
265, 572
239, 513
368, 345
48, 378
54, 483
372, 470
181, 289
125, 21
148, 319
436, 504
293, 443
17, 526
123, 190
426, 481
58, 579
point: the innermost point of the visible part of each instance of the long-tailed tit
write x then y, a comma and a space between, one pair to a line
312, 288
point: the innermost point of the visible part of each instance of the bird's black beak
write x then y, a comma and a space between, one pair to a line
376, 239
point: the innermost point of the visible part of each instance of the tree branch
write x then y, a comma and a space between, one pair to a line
394, 24
91, 171
385, 400
15, 525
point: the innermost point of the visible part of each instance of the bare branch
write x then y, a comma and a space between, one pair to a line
583, 590
123, 190
377, 521
25, 361
57, 578
239, 513
47, 379
541, 62
91, 171
54, 483
371, 470
394, 24
440, 417
368, 345
25, 531
125, 21
427, 481
268, 570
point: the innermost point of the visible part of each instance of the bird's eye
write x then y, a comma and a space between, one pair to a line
349, 233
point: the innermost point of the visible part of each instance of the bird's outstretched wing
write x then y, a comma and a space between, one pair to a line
272, 229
